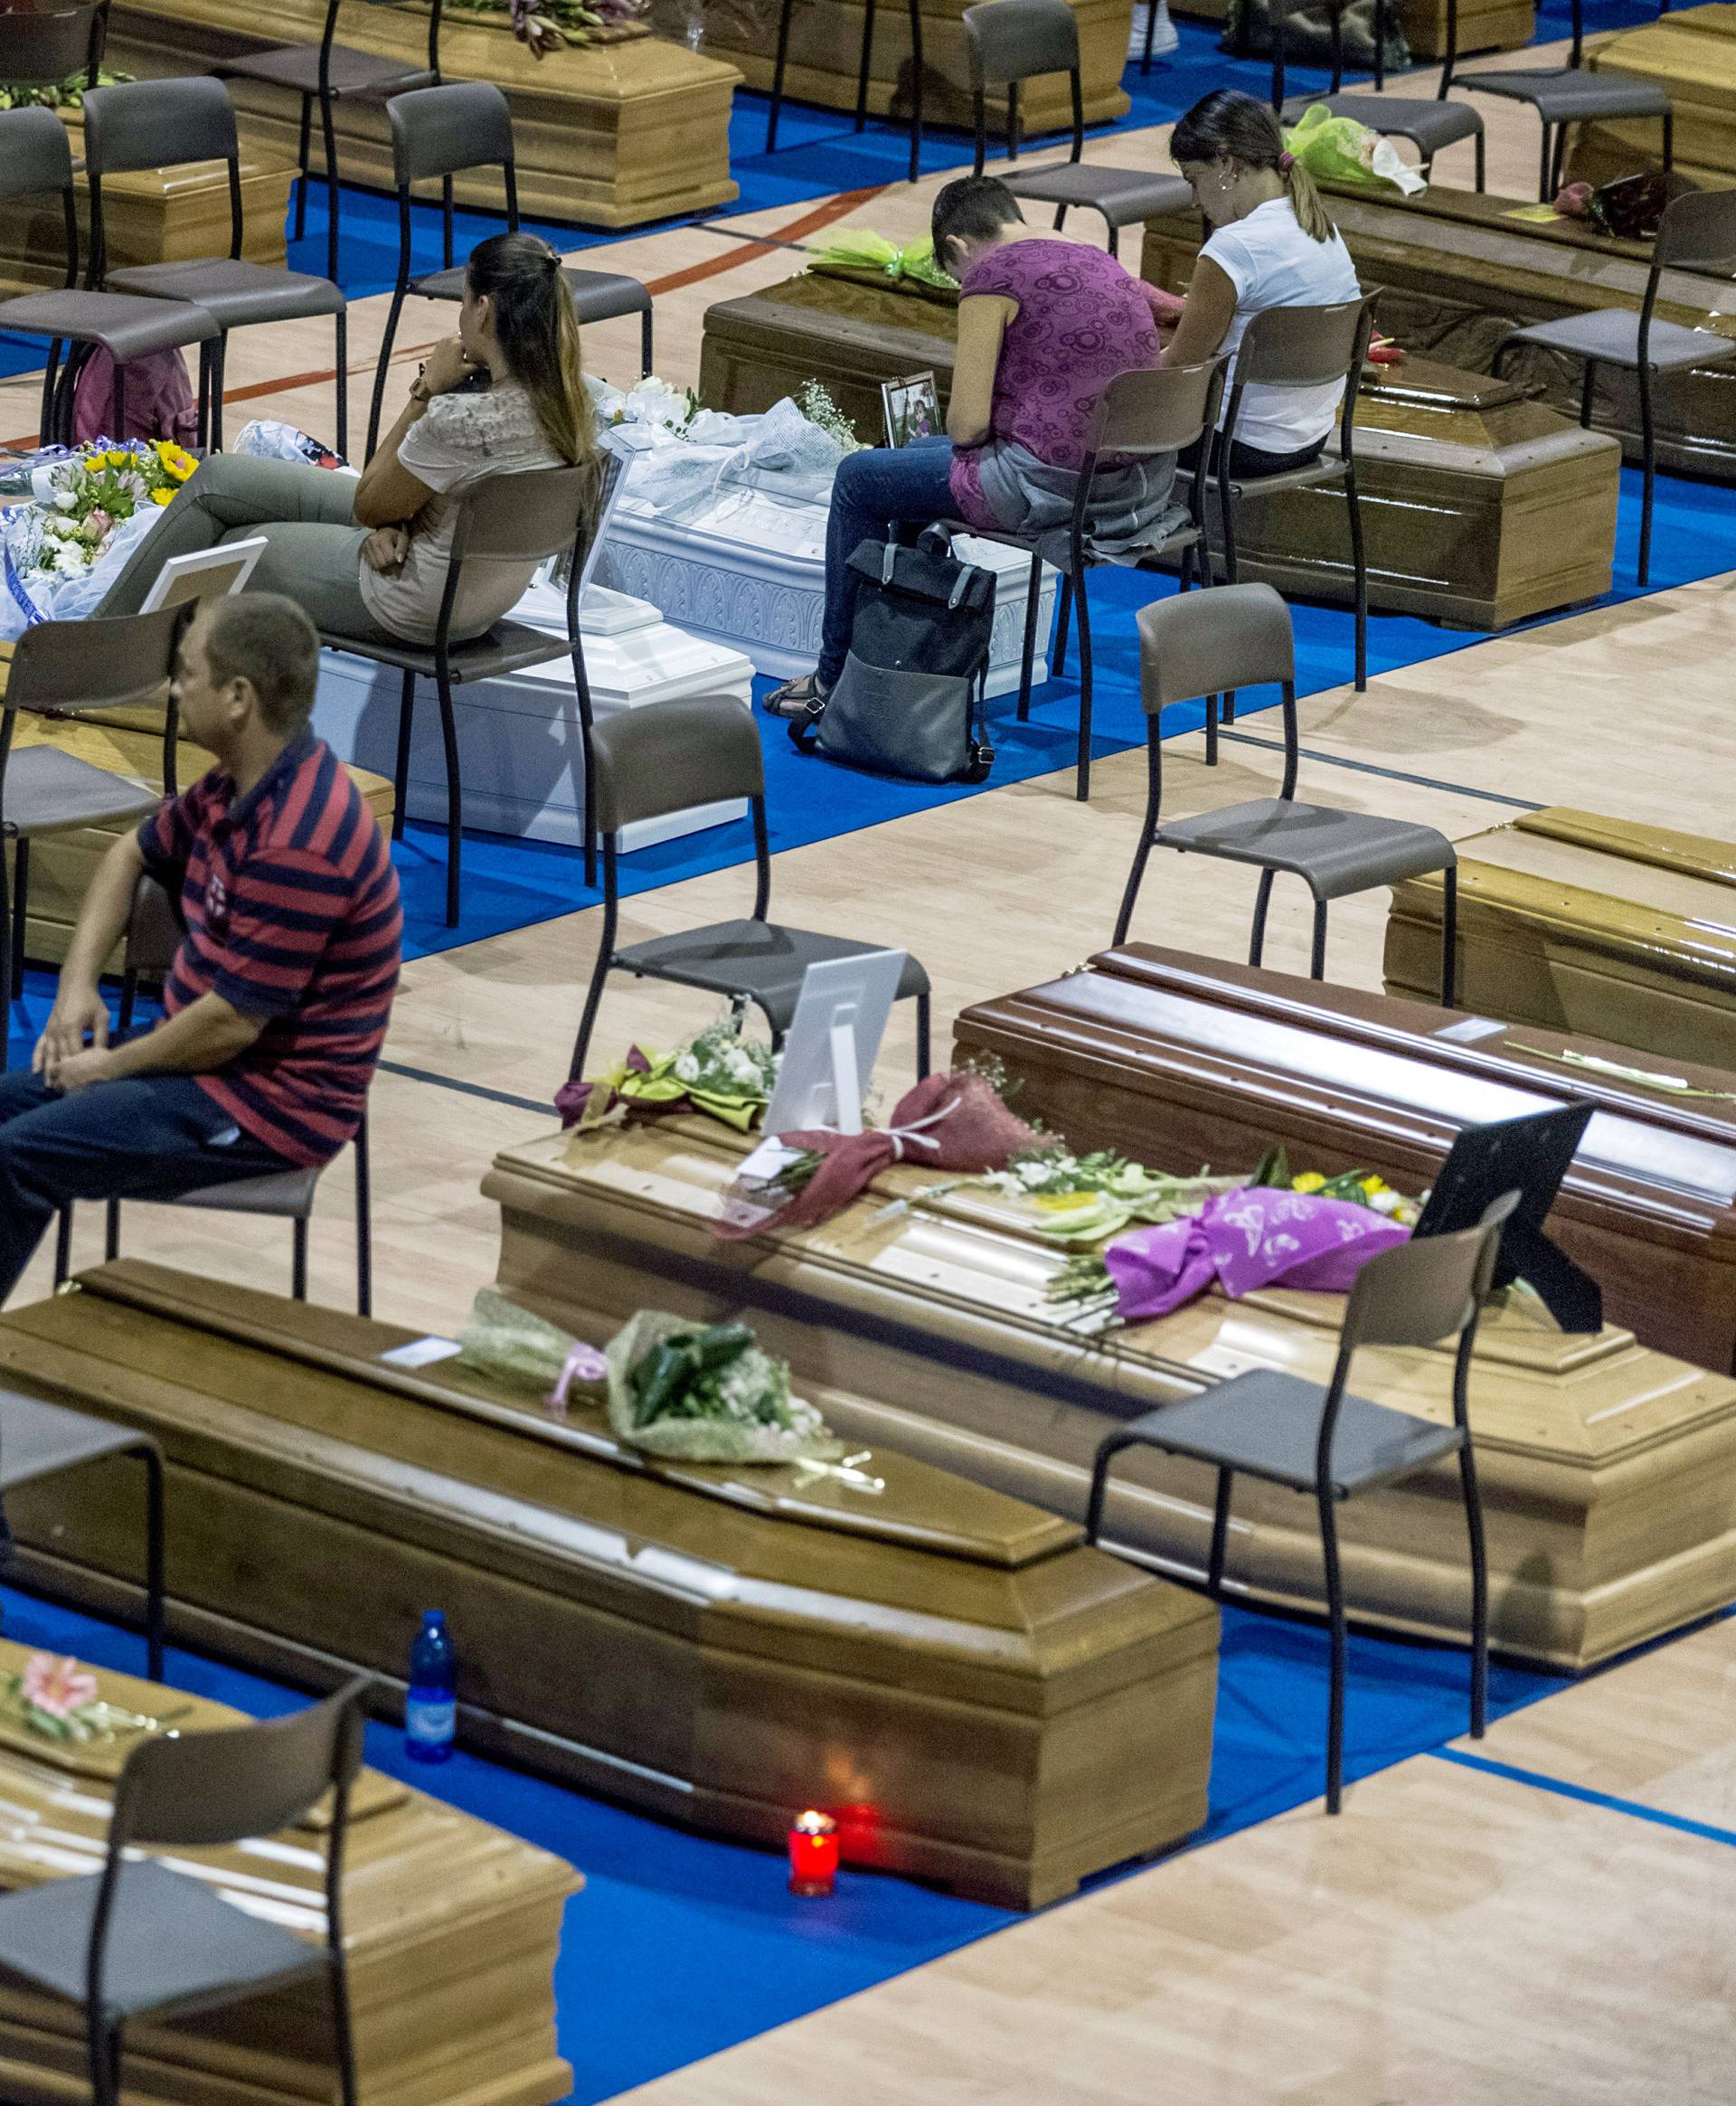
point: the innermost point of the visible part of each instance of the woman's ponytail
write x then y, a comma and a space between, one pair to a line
538, 333
1306, 202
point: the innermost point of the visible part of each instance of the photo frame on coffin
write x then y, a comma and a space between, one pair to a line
833, 1041
911, 407
205, 574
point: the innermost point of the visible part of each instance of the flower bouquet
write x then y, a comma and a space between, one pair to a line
89, 509
718, 1072
1085, 1199
523, 1350
871, 259
707, 1393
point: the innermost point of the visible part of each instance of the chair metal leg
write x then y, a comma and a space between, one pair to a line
1669, 140
1027, 662
773, 114
342, 2030
401, 772
1335, 1617
329, 132
916, 90
62, 1246
340, 332
1151, 36
1149, 828
1359, 566
646, 366
1219, 1535
218, 365
867, 61
1257, 935
7, 989
1063, 622
1210, 730
1449, 936
112, 1231
1480, 1592
298, 1261
1558, 161
1106, 1455
153, 1462
1542, 168
102, 2052
377, 403
588, 1020
924, 1014
302, 148
1648, 468
1479, 147
1317, 957
1082, 769
454, 802
363, 1224
20, 907
1587, 379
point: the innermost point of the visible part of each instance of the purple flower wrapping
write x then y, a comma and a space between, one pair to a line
1255, 1237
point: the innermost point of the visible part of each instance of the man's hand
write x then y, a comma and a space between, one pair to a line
448, 365
385, 549
77, 1010
78, 1070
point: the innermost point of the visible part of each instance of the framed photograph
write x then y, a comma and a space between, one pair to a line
205, 575
833, 1040
912, 409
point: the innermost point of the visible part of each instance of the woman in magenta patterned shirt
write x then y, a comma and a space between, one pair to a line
1044, 325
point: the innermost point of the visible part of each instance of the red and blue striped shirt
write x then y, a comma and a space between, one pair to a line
291, 905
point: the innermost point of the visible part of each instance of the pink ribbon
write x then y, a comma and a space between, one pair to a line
584, 1364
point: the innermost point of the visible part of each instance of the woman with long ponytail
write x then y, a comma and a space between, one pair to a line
369, 558
1272, 245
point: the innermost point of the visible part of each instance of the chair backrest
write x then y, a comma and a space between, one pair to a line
525, 517
442, 131
1010, 41
1698, 232
1155, 409
67, 668
1301, 347
34, 153
158, 124
648, 763
1211, 643
153, 933
1420, 1292
39, 48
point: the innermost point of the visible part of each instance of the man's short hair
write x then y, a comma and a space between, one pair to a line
970, 208
267, 640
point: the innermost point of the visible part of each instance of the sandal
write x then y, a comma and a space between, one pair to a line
795, 696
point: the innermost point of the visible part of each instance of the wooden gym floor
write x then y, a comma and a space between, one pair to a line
1557, 1927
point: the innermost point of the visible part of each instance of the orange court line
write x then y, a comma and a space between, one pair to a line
810, 223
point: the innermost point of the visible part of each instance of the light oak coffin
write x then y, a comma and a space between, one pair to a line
1607, 1469
981, 1699
451, 1929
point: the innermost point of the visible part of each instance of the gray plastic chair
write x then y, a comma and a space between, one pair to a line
36, 160
69, 669
439, 133
328, 73
140, 1939
153, 936
1303, 347
1698, 233
1428, 122
1013, 41
507, 520
1239, 635
167, 123
1162, 410
41, 49
1286, 1430
40, 1440
648, 763
863, 69
1561, 96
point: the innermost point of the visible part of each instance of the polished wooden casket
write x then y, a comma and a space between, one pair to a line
1607, 1469
626, 129
981, 1700
1691, 55
451, 1929
1177, 1059
1587, 924
1480, 505
1459, 269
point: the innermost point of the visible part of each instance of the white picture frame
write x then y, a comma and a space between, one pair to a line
833, 1042
191, 577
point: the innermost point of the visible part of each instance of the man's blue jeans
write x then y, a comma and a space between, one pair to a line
886, 486
150, 1137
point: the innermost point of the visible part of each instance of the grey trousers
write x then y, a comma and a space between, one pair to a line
313, 552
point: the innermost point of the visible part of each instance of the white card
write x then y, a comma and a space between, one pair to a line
1469, 1029
421, 1353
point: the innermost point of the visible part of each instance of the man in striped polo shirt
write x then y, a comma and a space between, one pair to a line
278, 1002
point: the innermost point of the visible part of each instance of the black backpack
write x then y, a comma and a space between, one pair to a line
910, 700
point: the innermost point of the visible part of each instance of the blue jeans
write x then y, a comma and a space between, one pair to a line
149, 1137
886, 486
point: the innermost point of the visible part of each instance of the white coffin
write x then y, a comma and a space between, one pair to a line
748, 570
521, 756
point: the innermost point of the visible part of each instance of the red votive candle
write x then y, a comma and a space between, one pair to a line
812, 1853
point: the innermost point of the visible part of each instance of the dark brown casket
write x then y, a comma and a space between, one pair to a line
451, 1929
1177, 1059
1458, 270
1480, 507
983, 1701
1584, 923
1609, 1472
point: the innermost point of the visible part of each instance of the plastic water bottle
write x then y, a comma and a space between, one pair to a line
430, 1709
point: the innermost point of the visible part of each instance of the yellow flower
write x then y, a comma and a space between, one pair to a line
1309, 1181
116, 458
176, 459
161, 496
1372, 1184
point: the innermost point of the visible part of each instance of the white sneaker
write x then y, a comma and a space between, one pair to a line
1164, 38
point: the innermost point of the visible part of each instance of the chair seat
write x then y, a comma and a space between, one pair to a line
1338, 853
171, 1941
352, 73
1569, 95
287, 1194
759, 958
1428, 123
1120, 195
233, 293
1611, 336
508, 647
1267, 1424
36, 1439
125, 324
1326, 468
47, 789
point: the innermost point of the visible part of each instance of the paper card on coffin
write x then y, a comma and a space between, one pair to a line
518, 738
451, 1928
989, 1703
1609, 1472
748, 570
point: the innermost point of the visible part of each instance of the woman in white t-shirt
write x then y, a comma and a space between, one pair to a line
369, 557
1272, 245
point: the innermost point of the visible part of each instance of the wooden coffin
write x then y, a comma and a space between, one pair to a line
1480, 505
1179, 1060
625, 129
825, 53
984, 1701
1458, 271
1607, 1469
1589, 924
1692, 56
451, 1929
